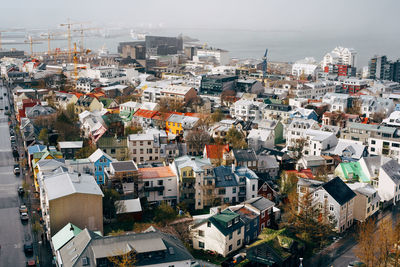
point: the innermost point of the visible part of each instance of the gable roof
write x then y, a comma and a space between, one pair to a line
260, 203
392, 169
98, 154
244, 154
64, 184
68, 232
216, 151
219, 221
156, 172
339, 190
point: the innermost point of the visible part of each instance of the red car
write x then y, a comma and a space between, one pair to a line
30, 263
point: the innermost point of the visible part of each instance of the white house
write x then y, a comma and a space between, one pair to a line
366, 203
389, 182
307, 66
338, 197
247, 110
222, 233
318, 141
340, 55
261, 138
336, 102
160, 184
297, 130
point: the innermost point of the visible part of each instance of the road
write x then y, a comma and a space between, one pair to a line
342, 252
13, 233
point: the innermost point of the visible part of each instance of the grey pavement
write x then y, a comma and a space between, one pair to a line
13, 233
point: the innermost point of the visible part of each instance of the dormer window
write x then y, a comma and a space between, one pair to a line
236, 219
229, 223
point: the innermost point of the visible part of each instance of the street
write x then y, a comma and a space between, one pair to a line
13, 233
342, 252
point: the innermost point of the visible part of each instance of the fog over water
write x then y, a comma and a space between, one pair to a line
290, 29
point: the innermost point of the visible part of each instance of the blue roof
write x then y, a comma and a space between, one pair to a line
225, 177
36, 148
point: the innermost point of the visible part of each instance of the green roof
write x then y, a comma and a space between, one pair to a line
278, 240
112, 142
64, 235
355, 169
106, 101
272, 101
126, 115
220, 221
225, 216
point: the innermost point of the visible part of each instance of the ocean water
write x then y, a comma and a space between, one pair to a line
287, 46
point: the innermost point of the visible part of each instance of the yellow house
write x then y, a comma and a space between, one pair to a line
42, 161
87, 103
176, 123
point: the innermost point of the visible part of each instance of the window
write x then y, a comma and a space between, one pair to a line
238, 242
263, 214
148, 142
208, 224
230, 247
230, 236
331, 207
141, 159
201, 244
141, 143
160, 193
160, 182
141, 151
253, 187
234, 190
229, 223
100, 168
201, 233
239, 231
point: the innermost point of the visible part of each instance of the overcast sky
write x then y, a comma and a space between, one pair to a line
307, 15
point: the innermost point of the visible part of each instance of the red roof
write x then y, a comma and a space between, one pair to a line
96, 95
156, 172
216, 151
306, 173
145, 113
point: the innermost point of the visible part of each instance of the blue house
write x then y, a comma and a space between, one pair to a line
304, 113
250, 220
100, 161
397, 107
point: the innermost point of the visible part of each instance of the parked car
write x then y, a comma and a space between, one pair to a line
17, 170
12, 137
24, 216
21, 190
23, 209
356, 264
28, 248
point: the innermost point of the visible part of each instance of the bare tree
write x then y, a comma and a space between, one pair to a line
366, 238
378, 117
197, 139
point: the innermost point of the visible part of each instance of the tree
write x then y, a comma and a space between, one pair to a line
109, 207
217, 116
378, 117
197, 139
235, 138
123, 259
165, 214
355, 107
44, 136
70, 112
309, 220
366, 238
385, 241
298, 148
85, 152
133, 130
287, 183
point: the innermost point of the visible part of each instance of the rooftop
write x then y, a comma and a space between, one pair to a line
156, 172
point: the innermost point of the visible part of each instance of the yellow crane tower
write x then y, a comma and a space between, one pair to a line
75, 63
69, 28
50, 36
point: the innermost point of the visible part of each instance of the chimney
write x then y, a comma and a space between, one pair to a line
233, 167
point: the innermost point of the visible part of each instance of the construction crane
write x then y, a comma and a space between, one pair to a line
32, 41
50, 36
264, 67
82, 30
69, 28
75, 63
